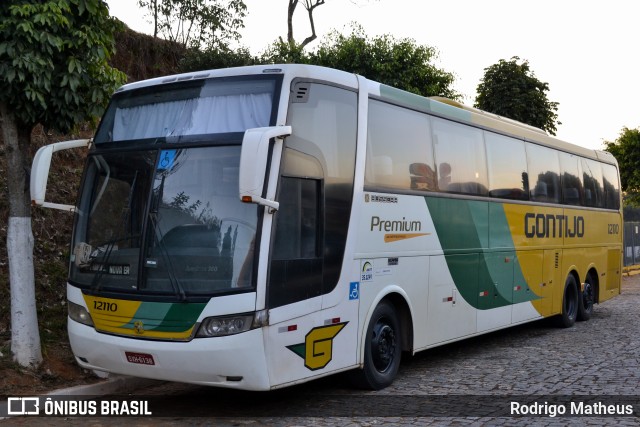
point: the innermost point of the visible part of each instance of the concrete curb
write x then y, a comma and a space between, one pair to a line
115, 384
631, 270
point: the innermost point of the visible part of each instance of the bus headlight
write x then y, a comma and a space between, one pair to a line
222, 326
80, 314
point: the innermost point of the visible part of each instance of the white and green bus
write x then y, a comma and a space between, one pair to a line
263, 226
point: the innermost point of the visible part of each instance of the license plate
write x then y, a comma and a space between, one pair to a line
140, 358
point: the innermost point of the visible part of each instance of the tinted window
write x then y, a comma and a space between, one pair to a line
460, 158
314, 213
298, 219
611, 186
544, 174
507, 162
399, 151
572, 191
592, 181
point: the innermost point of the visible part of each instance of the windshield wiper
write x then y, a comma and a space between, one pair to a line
175, 283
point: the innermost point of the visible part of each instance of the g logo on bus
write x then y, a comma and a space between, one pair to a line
138, 326
317, 348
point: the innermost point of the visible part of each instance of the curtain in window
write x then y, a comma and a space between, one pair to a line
217, 114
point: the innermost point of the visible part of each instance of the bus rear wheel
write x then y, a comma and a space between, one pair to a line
587, 299
570, 302
382, 350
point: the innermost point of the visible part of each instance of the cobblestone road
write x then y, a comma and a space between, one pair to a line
593, 361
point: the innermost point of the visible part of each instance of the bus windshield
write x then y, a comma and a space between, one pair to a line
164, 222
159, 212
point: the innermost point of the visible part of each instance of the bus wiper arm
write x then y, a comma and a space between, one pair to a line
175, 283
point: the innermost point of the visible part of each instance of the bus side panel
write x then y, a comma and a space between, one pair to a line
614, 276
449, 316
495, 291
405, 275
530, 299
552, 284
313, 345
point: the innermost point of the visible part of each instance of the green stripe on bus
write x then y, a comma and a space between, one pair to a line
167, 317
479, 251
412, 100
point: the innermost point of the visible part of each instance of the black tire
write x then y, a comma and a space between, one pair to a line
570, 302
382, 350
587, 299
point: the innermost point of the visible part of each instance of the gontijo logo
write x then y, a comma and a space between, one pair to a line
549, 225
317, 348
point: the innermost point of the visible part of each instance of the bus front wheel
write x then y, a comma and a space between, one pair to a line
382, 349
570, 303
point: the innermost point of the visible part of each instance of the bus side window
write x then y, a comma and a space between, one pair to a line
507, 161
461, 158
572, 190
592, 181
611, 186
399, 149
543, 170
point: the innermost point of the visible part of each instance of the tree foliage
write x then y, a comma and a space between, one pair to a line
214, 58
511, 89
626, 150
199, 24
400, 63
53, 60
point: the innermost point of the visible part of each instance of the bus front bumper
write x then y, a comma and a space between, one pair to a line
235, 361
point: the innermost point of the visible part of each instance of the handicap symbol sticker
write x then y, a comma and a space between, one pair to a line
354, 290
167, 158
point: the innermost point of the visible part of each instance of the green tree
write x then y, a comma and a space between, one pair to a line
400, 63
54, 72
213, 58
626, 150
280, 52
511, 89
197, 23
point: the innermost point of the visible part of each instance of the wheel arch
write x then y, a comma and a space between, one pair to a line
593, 273
396, 296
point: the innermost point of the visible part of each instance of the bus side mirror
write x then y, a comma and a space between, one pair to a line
253, 163
40, 172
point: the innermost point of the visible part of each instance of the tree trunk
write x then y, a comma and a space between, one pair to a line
290, 11
155, 19
25, 337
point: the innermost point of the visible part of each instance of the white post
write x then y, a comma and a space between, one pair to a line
25, 338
